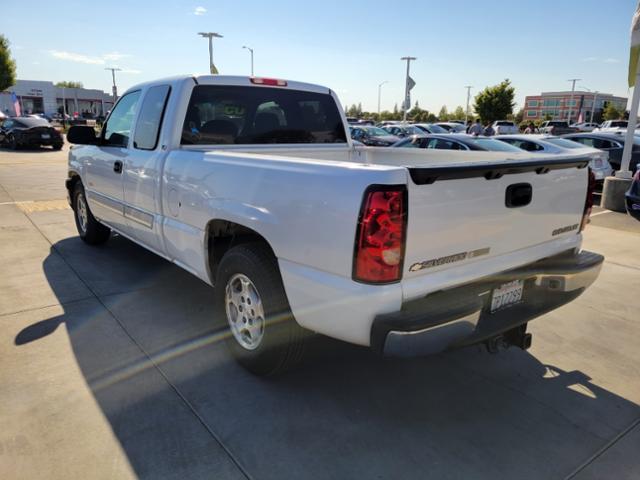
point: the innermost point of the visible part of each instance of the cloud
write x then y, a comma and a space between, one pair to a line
602, 60
199, 11
76, 57
115, 56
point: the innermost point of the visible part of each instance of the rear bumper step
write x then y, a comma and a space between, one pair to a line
461, 316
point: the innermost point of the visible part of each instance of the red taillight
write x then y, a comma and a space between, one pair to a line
588, 202
380, 236
269, 81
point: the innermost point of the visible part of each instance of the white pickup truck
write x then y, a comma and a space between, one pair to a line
254, 186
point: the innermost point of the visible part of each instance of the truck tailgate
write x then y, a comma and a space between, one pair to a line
470, 212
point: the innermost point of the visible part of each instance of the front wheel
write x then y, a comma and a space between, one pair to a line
57, 146
90, 230
262, 334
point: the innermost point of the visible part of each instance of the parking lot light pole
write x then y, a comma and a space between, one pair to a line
251, 52
466, 112
211, 36
573, 89
113, 77
379, 93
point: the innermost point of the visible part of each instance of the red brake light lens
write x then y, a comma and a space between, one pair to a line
269, 81
381, 235
588, 202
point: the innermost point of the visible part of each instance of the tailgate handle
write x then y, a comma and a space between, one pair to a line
518, 195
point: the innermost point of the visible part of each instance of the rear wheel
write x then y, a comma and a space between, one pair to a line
89, 229
263, 336
57, 146
12, 142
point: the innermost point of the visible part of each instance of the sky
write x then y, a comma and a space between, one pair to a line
350, 46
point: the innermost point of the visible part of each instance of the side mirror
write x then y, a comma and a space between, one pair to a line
82, 135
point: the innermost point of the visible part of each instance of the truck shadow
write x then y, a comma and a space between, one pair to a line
344, 413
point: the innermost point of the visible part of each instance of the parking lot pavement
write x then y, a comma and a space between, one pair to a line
112, 367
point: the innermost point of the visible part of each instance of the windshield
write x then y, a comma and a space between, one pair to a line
432, 128
494, 145
564, 143
32, 122
258, 115
619, 123
376, 132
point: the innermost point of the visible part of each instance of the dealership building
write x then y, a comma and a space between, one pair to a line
35, 96
558, 104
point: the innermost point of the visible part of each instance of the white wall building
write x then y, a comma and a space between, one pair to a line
37, 96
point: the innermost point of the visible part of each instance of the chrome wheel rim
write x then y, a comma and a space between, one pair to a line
81, 212
245, 312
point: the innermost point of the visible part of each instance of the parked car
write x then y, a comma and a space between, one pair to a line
609, 142
585, 126
633, 197
612, 126
372, 136
453, 127
17, 132
547, 144
504, 127
430, 128
556, 127
404, 251
402, 130
456, 141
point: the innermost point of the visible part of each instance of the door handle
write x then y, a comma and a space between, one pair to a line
117, 166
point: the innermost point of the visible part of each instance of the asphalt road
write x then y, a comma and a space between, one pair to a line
110, 369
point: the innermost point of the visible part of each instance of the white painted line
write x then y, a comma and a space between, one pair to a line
600, 213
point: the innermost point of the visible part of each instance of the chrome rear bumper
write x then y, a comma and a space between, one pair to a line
461, 316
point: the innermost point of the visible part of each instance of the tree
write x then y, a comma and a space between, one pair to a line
611, 112
519, 117
69, 84
444, 114
496, 102
395, 110
352, 111
7, 65
458, 113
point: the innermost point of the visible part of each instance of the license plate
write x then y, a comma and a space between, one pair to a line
506, 295
46, 136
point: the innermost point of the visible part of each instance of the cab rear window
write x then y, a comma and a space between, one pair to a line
219, 115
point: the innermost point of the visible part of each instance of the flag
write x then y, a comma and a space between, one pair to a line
410, 83
16, 104
634, 52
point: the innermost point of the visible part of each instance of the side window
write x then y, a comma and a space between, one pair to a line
150, 119
118, 128
410, 144
431, 143
584, 141
446, 145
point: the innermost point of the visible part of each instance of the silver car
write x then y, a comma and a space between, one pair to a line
549, 144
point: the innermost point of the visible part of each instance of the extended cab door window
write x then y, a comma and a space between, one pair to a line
150, 119
118, 128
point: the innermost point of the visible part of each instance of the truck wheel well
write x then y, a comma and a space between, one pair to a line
222, 235
72, 179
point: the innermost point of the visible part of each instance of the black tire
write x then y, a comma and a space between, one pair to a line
90, 230
282, 341
12, 142
57, 146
